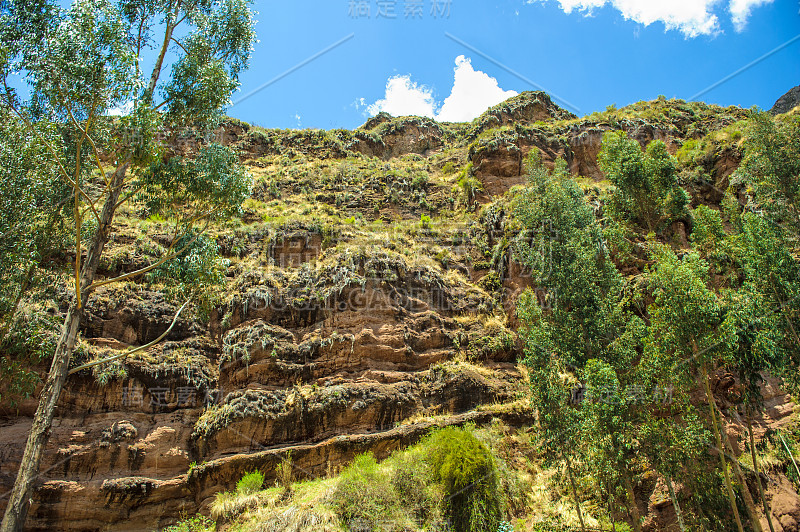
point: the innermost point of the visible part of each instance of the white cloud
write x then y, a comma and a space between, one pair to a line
404, 97
473, 92
692, 17
740, 11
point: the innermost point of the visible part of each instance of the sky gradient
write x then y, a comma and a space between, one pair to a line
589, 58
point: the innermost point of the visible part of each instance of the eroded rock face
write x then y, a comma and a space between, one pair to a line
352, 346
787, 102
498, 160
525, 108
325, 352
385, 137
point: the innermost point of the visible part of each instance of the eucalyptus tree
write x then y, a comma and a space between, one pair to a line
758, 349
763, 313
31, 226
671, 431
561, 244
552, 395
688, 330
646, 185
611, 418
82, 64
571, 322
771, 267
765, 233
766, 309
770, 169
616, 399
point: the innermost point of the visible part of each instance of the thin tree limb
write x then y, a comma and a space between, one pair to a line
134, 350
176, 41
62, 170
146, 269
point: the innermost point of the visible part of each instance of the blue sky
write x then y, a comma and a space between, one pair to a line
590, 53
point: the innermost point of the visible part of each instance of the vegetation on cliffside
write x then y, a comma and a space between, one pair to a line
526, 322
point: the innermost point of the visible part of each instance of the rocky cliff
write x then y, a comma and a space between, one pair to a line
366, 298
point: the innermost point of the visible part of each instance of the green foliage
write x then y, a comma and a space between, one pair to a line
449, 475
215, 53
30, 340
647, 190
420, 181
695, 152
79, 64
365, 495
32, 229
468, 185
708, 233
686, 315
765, 312
214, 182
449, 168
198, 272
770, 170
197, 523
563, 247
468, 473
250, 483
198, 264
491, 282
31, 203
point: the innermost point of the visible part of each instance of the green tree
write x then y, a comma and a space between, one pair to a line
770, 170
84, 62
31, 227
763, 312
561, 243
646, 185
550, 393
611, 416
687, 330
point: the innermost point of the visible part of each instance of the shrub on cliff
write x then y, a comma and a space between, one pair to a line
250, 483
450, 477
365, 497
467, 472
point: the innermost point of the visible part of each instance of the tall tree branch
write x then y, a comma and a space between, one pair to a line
153, 266
131, 351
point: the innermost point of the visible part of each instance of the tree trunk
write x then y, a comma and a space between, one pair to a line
151, 87
632, 506
712, 405
608, 504
575, 494
675, 504
767, 511
749, 505
611, 516
18, 504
